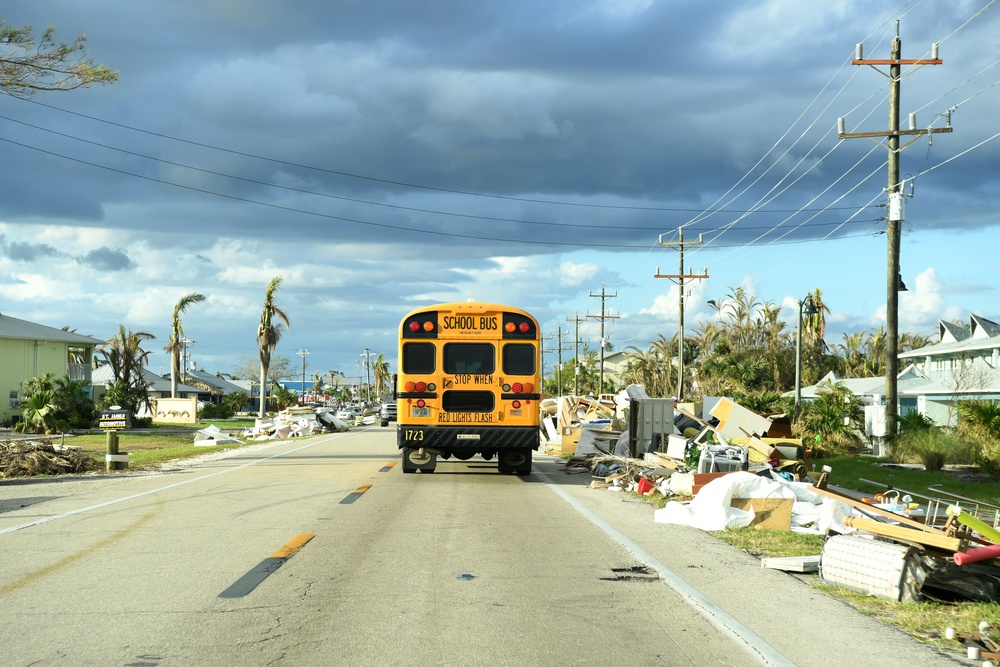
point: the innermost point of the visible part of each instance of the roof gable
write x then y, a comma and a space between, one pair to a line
984, 328
951, 333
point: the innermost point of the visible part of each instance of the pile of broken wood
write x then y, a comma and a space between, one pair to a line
20, 458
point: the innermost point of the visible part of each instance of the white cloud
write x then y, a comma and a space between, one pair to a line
573, 274
922, 305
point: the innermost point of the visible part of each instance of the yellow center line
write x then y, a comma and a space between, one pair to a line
49, 569
293, 546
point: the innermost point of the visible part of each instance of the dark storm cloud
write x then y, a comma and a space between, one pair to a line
106, 259
384, 150
27, 252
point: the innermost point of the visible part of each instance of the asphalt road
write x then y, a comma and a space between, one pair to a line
320, 551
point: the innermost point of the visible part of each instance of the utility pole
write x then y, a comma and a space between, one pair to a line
603, 296
559, 351
303, 353
680, 278
576, 351
185, 358
368, 373
895, 204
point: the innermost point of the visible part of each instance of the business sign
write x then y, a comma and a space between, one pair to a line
114, 418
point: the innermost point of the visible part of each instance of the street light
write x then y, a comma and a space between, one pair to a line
302, 396
806, 306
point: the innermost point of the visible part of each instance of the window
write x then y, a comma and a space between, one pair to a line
469, 358
468, 401
518, 359
14, 402
418, 358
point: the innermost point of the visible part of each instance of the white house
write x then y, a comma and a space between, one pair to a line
964, 364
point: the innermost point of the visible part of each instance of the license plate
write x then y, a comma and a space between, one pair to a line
515, 413
421, 412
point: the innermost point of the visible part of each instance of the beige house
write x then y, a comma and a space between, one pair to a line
30, 350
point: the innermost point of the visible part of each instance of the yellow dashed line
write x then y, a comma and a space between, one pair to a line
293, 545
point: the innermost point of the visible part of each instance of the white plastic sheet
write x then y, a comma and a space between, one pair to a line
711, 508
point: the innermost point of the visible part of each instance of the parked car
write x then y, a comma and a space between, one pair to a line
387, 413
349, 413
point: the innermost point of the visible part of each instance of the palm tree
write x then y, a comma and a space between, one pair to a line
382, 377
268, 335
175, 344
74, 407
851, 355
126, 357
38, 411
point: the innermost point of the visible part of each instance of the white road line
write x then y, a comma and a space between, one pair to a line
743, 636
56, 517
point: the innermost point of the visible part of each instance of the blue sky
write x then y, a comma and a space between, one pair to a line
381, 156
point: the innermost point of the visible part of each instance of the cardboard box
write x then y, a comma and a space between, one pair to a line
570, 439
769, 513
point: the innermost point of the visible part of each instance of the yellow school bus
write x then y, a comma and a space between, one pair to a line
468, 383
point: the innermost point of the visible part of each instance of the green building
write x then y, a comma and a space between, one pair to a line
29, 350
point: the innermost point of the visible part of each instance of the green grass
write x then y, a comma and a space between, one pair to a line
848, 472
147, 450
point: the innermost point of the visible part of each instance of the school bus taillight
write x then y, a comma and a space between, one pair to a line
421, 403
427, 326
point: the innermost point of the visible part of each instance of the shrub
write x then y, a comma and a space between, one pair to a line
933, 447
212, 411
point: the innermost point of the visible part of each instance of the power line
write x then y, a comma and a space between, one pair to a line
318, 214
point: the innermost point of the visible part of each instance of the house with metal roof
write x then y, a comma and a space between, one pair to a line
159, 386
213, 387
29, 350
964, 364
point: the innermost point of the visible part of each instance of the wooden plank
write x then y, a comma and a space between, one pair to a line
792, 563
944, 542
876, 510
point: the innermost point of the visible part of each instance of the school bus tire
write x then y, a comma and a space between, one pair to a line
514, 461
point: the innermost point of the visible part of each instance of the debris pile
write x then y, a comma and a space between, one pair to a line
734, 467
581, 425
896, 555
296, 421
27, 459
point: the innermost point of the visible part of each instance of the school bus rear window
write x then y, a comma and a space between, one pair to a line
469, 358
518, 359
468, 401
418, 358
